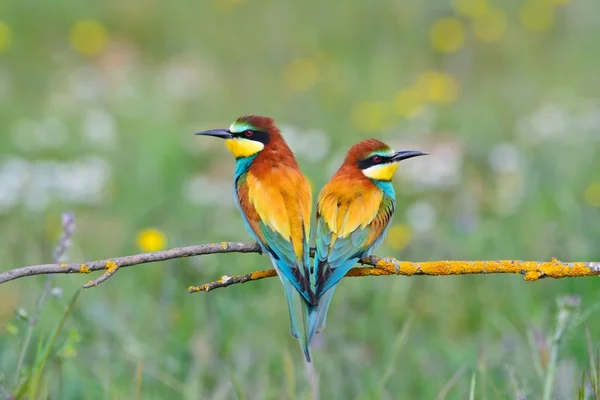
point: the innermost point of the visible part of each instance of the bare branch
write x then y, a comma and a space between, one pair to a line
127, 261
532, 270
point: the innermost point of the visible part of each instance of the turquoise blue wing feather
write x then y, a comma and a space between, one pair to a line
333, 262
284, 256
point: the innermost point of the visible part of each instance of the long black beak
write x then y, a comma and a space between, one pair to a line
403, 155
220, 133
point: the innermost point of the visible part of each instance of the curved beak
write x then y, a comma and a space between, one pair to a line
220, 133
403, 155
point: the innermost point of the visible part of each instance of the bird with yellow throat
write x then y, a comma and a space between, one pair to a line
275, 201
354, 210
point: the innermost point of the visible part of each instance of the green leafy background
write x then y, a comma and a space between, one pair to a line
98, 104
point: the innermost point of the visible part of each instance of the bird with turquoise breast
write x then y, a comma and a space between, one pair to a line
354, 210
275, 201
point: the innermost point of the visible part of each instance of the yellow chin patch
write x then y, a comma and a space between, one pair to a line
383, 172
241, 147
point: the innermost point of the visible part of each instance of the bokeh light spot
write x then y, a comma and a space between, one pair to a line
409, 102
300, 75
438, 87
490, 27
151, 239
5, 37
470, 8
592, 194
88, 37
537, 15
398, 237
447, 35
368, 116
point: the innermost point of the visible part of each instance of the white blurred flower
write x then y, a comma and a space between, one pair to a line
185, 77
99, 128
82, 181
36, 184
549, 121
505, 158
13, 175
313, 145
421, 216
202, 190
441, 168
86, 83
49, 133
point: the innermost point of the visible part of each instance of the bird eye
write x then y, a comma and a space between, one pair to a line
377, 159
248, 133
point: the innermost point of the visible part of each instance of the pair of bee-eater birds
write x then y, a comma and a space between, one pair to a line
354, 211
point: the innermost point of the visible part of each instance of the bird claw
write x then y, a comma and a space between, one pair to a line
394, 262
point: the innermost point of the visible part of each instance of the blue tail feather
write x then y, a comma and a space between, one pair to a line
318, 314
299, 311
338, 273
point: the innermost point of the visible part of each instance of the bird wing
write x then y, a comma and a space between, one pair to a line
277, 209
349, 224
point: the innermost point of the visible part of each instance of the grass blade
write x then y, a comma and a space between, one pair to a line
31, 384
450, 384
398, 345
472, 390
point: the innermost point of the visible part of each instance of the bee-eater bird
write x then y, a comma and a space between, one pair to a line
354, 211
275, 201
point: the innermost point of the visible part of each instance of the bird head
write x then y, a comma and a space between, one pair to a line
376, 160
247, 136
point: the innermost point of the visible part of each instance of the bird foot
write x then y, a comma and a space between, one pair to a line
394, 262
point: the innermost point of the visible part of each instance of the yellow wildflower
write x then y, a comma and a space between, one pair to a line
150, 240
5, 37
88, 37
398, 237
447, 35
438, 87
490, 27
537, 15
592, 194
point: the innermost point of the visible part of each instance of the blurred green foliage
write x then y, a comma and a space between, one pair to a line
98, 103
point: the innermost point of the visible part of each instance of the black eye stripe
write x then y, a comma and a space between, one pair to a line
257, 136
373, 160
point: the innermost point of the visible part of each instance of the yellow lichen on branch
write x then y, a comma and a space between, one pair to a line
111, 266
531, 270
